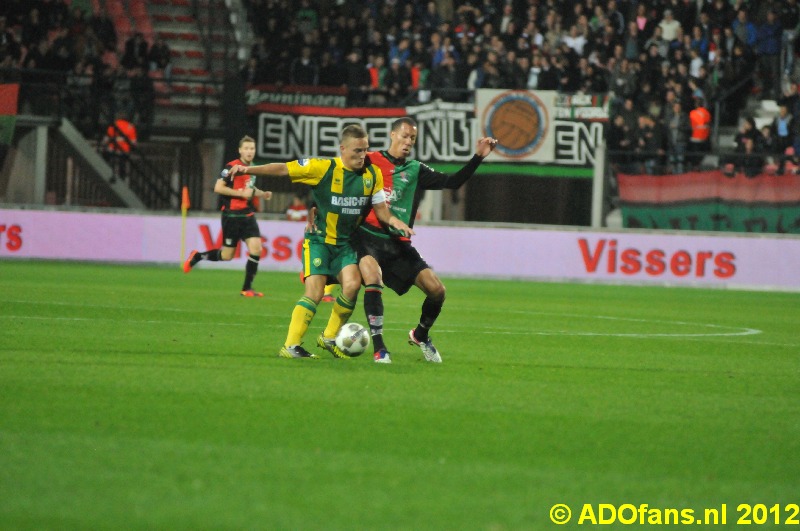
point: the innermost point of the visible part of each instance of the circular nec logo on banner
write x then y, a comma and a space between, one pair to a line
518, 120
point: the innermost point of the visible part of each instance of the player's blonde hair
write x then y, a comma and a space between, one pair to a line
246, 138
353, 131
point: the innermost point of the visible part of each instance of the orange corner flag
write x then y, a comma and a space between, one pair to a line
185, 204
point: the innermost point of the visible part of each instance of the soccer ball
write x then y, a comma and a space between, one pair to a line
352, 339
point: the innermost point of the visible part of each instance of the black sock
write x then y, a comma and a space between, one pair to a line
250, 271
373, 308
212, 256
430, 311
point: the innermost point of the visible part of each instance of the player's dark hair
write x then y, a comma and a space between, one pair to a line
353, 131
397, 124
246, 138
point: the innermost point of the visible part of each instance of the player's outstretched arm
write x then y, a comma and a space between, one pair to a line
385, 216
274, 169
430, 179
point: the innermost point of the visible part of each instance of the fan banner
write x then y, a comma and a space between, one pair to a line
9, 94
711, 201
531, 127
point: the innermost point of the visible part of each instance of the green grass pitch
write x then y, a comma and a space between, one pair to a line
135, 397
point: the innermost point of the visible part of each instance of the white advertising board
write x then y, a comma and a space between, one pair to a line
536, 253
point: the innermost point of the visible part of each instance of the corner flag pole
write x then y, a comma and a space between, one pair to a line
184, 209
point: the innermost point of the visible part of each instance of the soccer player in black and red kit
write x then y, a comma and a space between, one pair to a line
389, 258
238, 218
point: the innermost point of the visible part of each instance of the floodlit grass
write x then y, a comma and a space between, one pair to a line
141, 398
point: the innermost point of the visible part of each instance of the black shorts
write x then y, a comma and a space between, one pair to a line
235, 228
400, 262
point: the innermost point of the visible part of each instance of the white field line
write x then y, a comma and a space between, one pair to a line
715, 330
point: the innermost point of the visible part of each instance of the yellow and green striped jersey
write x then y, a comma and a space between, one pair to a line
343, 196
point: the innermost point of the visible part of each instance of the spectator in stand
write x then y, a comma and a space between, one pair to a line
79, 97
766, 142
615, 17
304, 70
596, 20
623, 82
700, 42
143, 97
9, 46
649, 143
783, 128
720, 14
657, 40
330, 73
398, 81
298, 209
620, 143
669, 26
744, 30
729, 40
306, 17
430, 19
136, 51
633, 42
700, 123
401, 50
750, 161
418, 54
678, 131
643, 21
547, 78
576, 41
377, 74
740, 69
790, 19
747, 129
377, 44
120, 137
251, 73
76, 24
789, 162
768, 39
533, 73
696, 63
444, 82
160, 57
33, 29
356, 78
519, 72
507, 17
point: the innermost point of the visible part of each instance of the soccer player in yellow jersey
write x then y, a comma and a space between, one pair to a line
344, 189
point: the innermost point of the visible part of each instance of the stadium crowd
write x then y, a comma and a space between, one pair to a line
658, 59
49, 44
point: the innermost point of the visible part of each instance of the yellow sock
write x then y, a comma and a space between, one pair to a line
302, 315
342, 310
329, 289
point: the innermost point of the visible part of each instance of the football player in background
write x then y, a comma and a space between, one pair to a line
238, 194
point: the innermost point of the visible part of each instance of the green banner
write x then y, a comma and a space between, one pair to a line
7, 124
715, 217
